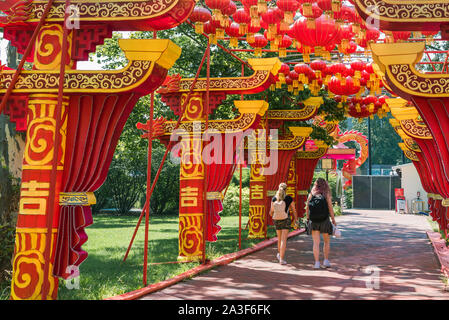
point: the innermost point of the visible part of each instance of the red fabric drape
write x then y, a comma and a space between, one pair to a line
219, 175
94, 127
273, 181
304, 176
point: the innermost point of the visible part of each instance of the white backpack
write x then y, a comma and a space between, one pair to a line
279, 210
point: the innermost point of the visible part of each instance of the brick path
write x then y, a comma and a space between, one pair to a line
396, 245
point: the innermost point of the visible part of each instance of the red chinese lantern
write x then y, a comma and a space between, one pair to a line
219, 29
304, 72
210, 29
429, 35
338, 70
372, 34
285, 42
243, 19
400, 36
351, 87
329, 6
346, 35
319, 66
334, 86
350, 49
283, 72
323, 36
200, 16
217, 6
289, 83
252, 30
285, 69
306, 6
262, 6
369, 102
358, 66
227, 12
259, 42
315, 13
345, 15
271, 18
234, 32
251, 7
289, 7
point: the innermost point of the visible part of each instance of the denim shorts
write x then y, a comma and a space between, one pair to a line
283, 224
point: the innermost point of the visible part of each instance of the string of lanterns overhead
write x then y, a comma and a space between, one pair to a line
318, 27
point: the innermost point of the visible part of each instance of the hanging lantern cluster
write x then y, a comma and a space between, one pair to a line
367, 107
313, 26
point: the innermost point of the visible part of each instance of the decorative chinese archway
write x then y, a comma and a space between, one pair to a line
86, 109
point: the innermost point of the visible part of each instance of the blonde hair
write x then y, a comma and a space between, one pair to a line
281, 193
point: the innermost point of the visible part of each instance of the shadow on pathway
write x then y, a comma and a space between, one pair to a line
381, 255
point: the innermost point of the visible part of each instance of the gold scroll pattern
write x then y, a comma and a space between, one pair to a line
414, 129
412, 81
256, 221
106, 10
190, 235
242, 83
39, 146
257, 210
409, 11
28, 266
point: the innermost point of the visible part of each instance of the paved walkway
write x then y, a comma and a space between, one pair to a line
394, 247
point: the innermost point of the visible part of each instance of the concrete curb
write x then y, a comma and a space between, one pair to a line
441, 251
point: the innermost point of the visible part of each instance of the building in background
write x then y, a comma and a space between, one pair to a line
412, 185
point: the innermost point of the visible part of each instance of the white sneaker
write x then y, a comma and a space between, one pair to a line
283, 262
317, 265
326, 263
278, 257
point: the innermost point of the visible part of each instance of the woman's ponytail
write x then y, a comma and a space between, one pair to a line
282, 192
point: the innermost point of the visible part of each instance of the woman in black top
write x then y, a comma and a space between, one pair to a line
321, 223
282, 221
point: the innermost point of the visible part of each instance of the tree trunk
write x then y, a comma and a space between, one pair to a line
12, 145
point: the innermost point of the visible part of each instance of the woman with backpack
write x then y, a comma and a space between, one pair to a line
279, 211
319, 209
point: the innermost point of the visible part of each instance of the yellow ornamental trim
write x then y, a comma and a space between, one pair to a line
162, 51
252, 106
301, 131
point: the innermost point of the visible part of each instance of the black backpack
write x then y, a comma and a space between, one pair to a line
318, 208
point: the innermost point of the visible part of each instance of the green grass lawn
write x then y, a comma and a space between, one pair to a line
103, 274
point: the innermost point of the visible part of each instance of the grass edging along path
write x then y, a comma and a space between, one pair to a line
223, 260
